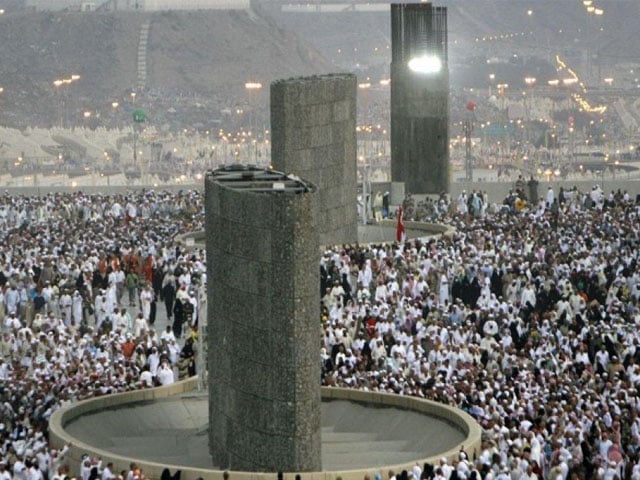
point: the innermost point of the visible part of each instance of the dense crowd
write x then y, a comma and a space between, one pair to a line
525, 318
80, 279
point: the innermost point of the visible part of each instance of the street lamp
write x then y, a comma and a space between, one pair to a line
530, 82
468, 128
492, 77
501, 88
253, 86
59, 82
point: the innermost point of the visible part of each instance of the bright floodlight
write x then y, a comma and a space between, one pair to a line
425, 64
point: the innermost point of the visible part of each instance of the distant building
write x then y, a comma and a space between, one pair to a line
54, 4
143, 5
155, 5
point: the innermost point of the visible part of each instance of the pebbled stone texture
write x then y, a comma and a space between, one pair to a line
263, 283
313, 135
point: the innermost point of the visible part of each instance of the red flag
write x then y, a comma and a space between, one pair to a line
400, 233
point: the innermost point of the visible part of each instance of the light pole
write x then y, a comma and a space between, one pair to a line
135, 135
530, 82
366, 161
254, 87
553, 84
501, 90
468, 128
135, 146
139, 116
572, 139
61, 82
114, 110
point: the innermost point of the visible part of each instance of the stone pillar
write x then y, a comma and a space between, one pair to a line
313, 135
263, 310
419, 100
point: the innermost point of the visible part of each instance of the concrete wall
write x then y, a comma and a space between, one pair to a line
313, 135
264, 393
58, 437
143, 5
55, 4
154, 5
499, 190
63, 416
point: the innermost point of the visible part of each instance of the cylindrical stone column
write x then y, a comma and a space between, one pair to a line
313, 135
263, 310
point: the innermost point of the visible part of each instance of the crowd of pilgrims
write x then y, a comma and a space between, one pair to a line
526, 320
81, 279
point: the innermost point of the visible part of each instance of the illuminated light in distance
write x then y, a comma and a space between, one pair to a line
425, 64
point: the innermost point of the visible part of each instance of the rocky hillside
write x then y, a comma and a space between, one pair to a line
198, 62
200, 59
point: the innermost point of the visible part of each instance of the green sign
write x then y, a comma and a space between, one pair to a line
139, 116
499, 129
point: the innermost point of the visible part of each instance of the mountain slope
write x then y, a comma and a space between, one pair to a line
204, 55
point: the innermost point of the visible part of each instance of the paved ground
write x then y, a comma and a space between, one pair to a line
374, 233
174, 431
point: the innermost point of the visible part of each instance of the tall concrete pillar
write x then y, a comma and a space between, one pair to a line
419, 97
313, 135
263, 310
